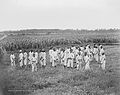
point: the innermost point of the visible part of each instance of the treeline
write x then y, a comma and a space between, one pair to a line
49, 31
29, 44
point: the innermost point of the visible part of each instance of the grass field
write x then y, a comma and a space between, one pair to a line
60, 80
64, 81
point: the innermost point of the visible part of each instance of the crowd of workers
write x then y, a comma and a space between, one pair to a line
78, 57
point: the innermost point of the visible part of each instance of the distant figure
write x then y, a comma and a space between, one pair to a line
54, 57
21, 58
101, 50
25, 58
12, 58
70, 59
50, 54
96, 53
62, 54
79, 60
103, 60
42, 58
34, 63
66, 54
87, 61
36, 56
30, 57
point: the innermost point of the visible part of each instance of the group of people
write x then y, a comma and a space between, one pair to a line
70, 57
29, 58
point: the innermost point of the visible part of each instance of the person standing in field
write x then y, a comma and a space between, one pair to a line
76, 51
50, 54
36, 56
96, 53
21, 58
54, 57
87, 61
12, 59
34, 63
103, 61
89, 52
62, 54
25, 55
70, 59
42, 58
58, 54
101, 50
79, 61
30, 57
66, 54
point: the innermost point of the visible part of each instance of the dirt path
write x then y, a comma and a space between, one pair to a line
3, 37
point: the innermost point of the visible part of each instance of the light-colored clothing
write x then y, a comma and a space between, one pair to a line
30, 57
87, 62
76, 52
12, 58
96, 54
34, 66
103, 61
79, 60
82, 48
102, 51
62, 54
50, 55
36, 56
25, 58
21, 59
70, 60
42, 56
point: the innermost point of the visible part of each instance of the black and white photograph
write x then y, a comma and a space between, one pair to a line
59, 47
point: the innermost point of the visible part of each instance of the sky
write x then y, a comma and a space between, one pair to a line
59, 14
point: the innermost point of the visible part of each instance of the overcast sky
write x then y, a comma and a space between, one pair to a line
62, 14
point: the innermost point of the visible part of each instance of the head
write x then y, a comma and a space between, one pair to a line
84, 47
33, 54
20, 51
88, 46
71, 50
54, 49
12, 52
101, 46
79, 49
103, 53
51, 47
85, 53
79, 53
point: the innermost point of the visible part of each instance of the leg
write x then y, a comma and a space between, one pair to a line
77, 66
87, 67
32, 67
53, 63
68, 63
35, 66
103, 65
72, 63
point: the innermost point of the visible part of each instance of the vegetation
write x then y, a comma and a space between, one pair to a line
59, 80
44, 38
